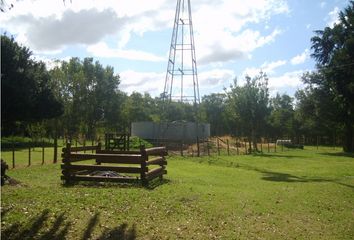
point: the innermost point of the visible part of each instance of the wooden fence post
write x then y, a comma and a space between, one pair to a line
208, 148
275, 147
238, 153
317, 142
66, 161
268, 145
55, 159
84, 145
42, 152
93, 143
181, 147
198, 147
228, 147
128, 143
144, 158
218, 145
29, 155
245, 146
13, 154
261, 145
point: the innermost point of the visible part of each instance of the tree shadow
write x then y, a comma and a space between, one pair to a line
90, 227
339, 154
135, 184
122, 232
286, 177
39, 228
36, 228
156, 183
107, 184
268, 155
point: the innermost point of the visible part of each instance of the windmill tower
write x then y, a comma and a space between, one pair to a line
181, 82
181, 85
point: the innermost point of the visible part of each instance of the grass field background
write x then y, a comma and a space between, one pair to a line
295, 194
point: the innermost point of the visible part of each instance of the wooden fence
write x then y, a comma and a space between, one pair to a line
127, 166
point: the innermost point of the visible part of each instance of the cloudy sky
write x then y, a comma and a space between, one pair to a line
233, 38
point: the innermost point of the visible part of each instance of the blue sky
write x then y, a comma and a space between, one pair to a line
233, 38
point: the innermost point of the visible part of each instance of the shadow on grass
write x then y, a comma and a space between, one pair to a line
122, 231
156, 183
39, 228
286, 177
339, 154
268, 155
36, 228
136, 184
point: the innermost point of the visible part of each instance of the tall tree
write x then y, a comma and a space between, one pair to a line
281, 118
26, 95
90, 95
214, 109
249, 105
334, 52
315, 111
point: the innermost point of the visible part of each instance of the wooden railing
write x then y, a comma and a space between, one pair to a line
126, 166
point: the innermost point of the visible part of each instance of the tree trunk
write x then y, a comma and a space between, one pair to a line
254, 141
348, 143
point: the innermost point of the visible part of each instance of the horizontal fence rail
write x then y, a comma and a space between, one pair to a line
138, 163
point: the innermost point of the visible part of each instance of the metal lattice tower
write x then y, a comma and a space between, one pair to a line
181, 83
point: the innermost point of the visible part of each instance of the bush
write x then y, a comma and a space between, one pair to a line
136, 142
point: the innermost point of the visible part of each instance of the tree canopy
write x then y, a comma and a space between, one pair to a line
26, 95
333, 49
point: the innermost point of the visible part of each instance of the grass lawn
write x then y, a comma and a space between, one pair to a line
295, 194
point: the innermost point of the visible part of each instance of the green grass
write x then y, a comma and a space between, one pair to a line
295, 194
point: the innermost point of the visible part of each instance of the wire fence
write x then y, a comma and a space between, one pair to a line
49, 151
37, 153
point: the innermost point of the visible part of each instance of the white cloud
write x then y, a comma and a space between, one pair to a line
50, 63
83, 27
332, 17
301, 58
220, 28
51, 25
220, 25
267, 67
216, 78
153, 82
288, 82
102, 50
150, 82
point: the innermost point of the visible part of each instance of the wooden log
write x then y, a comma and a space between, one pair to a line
160, 151
105, 158
144, 159
157, 161
117, 152
98, 179
87, 148
102, 168
155, 173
